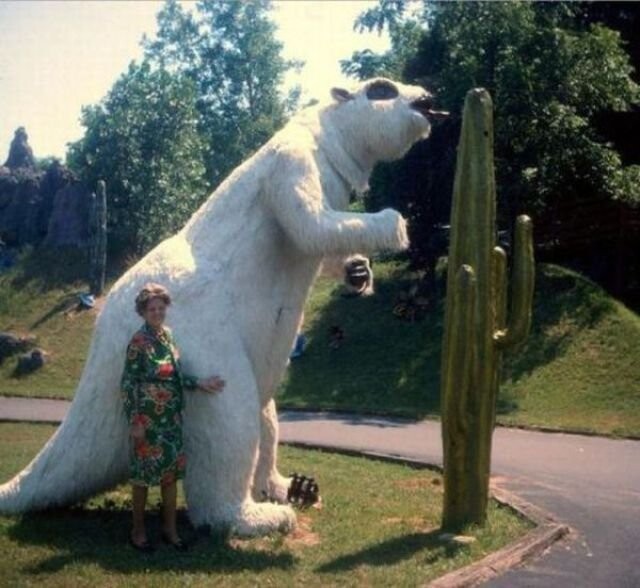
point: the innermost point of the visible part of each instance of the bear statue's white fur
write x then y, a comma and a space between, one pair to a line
239, 273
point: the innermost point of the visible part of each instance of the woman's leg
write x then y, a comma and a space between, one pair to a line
138, 533
169, 497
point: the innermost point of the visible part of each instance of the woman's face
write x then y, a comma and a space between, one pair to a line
155, 312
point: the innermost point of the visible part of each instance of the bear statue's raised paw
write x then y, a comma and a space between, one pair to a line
396, 230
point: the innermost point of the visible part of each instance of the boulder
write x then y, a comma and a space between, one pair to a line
20, 152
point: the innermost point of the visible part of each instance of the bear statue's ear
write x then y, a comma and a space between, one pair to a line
341, 95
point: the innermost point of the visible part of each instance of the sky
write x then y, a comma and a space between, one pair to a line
56, 56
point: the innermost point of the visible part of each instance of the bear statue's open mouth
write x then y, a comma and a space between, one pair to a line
424, 105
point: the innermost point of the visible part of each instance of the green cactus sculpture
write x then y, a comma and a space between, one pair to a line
477, 328
98, 239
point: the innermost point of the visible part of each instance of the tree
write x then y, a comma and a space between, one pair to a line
404, 31
229, 51
549, 74
621, 128
142, 139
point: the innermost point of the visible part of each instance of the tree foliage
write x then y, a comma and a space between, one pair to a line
405, 34
230, 52
142, 139
548, 77
205, 96
549, 71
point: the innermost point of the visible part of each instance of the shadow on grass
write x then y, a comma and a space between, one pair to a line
101, 535
64, 304
395, 550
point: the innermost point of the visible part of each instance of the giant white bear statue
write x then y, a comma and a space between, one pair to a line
239, 273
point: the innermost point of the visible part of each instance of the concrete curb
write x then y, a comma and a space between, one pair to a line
526, 549
546, 531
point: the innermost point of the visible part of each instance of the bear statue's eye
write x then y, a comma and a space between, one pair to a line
382, 91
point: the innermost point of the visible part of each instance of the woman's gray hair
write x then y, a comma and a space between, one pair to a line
149, 291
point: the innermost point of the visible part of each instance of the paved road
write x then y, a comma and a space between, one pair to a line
590, 483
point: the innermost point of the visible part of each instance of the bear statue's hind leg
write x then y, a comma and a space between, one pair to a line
221, 435
268, 483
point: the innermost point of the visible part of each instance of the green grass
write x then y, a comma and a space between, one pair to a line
378, 525
578, 370
39, 296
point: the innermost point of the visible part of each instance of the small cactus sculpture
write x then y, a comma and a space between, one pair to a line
98, 239
476, 326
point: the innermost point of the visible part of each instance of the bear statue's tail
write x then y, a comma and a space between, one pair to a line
88, 452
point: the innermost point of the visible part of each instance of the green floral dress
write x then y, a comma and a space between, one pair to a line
152, 389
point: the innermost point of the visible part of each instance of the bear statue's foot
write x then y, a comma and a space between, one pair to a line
296, 489
261, 518
251, 519
275, 489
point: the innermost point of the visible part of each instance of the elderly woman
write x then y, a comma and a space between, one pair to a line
152, 388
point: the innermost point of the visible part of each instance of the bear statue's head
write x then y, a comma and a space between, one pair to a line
382, 118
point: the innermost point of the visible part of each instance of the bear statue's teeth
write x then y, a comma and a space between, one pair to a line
424, 105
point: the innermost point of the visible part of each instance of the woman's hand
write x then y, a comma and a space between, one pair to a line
213, 384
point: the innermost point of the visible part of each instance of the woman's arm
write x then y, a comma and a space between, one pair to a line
189, 382
131, 379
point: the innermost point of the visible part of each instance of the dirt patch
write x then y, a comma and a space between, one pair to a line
302, 535
417, 483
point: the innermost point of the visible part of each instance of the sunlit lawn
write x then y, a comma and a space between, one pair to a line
378, 525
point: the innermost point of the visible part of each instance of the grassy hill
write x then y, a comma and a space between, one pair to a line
39, 296
579, 369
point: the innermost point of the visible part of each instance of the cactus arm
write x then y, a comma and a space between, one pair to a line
519, 322
499, 286
499, 278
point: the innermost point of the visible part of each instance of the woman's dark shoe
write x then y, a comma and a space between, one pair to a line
180, 545
145, 547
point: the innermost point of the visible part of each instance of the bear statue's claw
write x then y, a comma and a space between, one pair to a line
303, 491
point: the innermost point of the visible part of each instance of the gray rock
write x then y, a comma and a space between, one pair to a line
30, 362
20, 153
11, 344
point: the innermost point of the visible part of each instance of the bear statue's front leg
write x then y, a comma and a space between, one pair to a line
314, 228
269, 483
221, 438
